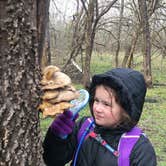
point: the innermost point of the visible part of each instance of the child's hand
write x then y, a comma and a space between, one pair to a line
63, 124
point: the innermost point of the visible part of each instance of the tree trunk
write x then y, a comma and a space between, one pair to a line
43, 32
146, 41
93, 17
20, 135
119, 34
89, 39
127, 53
131, 54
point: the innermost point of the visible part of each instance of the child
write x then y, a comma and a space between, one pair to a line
116, 103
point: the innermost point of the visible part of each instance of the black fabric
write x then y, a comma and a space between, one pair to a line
58, 152
129, 85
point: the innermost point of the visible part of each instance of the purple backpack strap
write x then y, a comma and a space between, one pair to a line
126, 144
84, 126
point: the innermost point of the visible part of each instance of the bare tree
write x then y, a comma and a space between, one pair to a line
43, 32
102, 32
135, 43
20, 138
146, 41
85, 23
78, 35
93, 16
134, 40
119, 33
158, 29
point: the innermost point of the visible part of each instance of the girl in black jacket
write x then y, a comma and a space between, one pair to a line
116, 103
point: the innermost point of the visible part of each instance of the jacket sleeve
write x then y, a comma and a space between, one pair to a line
59, 151
143, 153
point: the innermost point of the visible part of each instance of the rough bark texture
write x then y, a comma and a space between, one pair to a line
20, 136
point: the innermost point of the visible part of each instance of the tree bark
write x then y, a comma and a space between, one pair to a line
133, 45
119, 34
43, 32
127, 53
20, 135
146, 41
128, 58
89, 39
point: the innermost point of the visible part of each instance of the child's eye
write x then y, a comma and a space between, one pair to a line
107, 104
96, 100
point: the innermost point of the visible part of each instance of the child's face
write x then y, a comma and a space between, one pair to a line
107, 112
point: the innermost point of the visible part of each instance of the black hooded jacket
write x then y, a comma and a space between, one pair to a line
131, 89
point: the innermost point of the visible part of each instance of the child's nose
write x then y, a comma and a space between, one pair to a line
99, 106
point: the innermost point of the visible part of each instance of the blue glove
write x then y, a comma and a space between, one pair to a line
63, 125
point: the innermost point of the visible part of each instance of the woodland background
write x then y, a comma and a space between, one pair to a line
82, 37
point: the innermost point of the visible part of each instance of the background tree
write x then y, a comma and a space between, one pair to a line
71, 35
20, 59
119, 33
43, 32
146, 41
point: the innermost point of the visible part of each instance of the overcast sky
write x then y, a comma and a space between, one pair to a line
65, 7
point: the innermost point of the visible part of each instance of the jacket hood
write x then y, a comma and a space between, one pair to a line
129, 85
